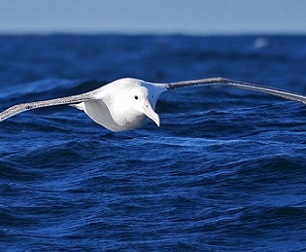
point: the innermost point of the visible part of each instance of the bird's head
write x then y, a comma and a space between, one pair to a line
132, 98
142, 97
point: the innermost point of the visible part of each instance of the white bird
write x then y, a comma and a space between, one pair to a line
126, 103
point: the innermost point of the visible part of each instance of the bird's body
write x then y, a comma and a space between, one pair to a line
125, 104
122, 104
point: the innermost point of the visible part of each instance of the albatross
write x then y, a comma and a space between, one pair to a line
125, 104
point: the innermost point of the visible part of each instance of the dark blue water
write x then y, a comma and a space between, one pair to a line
224, 172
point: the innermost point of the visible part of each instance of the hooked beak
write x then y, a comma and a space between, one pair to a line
149, 112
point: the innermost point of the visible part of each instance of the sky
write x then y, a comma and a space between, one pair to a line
191, 17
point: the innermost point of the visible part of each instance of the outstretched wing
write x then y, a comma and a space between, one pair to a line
238, 84
45, 103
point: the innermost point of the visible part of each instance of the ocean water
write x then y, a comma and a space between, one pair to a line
225, 171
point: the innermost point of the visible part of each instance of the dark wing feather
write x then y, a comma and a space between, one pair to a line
45, 103
239, 84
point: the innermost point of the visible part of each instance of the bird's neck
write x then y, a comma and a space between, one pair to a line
130, 119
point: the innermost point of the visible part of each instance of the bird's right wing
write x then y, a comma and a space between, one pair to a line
16, 109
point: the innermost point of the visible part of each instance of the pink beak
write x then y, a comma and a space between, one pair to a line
149, 112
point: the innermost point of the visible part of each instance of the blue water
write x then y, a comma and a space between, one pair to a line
224, 172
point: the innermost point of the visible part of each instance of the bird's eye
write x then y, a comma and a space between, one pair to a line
136, 97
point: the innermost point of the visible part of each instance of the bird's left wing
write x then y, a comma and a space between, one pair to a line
16, 109
238, 84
